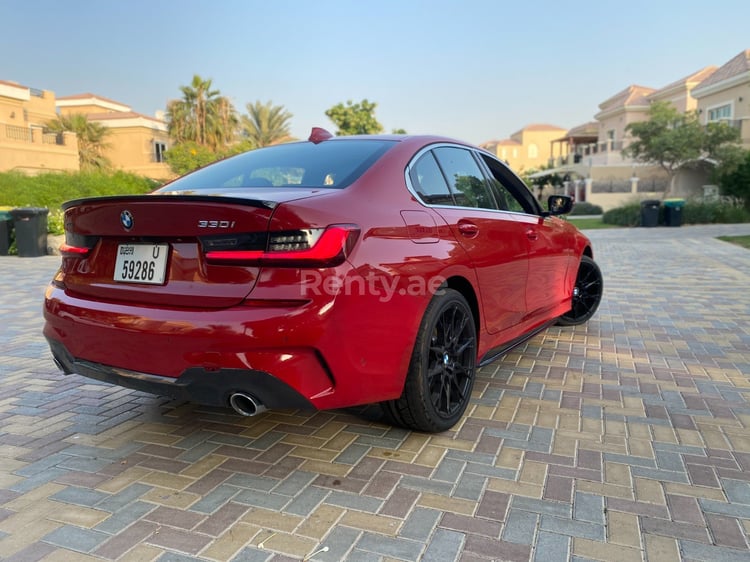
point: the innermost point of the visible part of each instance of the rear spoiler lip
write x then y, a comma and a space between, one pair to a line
125, 199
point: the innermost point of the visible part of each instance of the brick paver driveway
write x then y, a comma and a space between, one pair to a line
626, 439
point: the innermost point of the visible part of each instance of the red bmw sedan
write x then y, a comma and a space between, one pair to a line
321, 274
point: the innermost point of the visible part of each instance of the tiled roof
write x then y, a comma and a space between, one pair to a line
541, 127
738, 65
90, 96
119, 115
13, 84
694, 78
590, 129
632, 95
503, 142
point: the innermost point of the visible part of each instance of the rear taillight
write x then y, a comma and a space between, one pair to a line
74, 251
77, 245
315, 247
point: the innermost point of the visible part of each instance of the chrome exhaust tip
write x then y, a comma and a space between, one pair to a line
245, 405
59, 364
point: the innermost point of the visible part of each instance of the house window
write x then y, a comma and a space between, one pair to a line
515, 153
504, 154
533, 151
610, 144
159, 149
720, 112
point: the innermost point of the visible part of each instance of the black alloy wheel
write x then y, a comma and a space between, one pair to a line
442, 370
587, 294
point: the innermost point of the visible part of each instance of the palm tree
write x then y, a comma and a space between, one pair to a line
265, 124
180, 122
222, 123
91, 139
202, 116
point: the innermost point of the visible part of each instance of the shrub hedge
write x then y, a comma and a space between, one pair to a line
694, 212
627, 215
586, 208
51, 190
715, 212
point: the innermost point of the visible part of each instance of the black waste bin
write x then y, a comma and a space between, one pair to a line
650, 212
31, 231
673, 211
6, 227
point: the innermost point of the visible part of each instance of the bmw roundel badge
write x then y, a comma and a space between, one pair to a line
126, 218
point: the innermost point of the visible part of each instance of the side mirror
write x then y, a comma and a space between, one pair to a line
559, 204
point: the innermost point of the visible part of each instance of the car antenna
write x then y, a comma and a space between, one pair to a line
318, 135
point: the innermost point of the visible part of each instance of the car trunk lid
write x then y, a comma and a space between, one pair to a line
151, 249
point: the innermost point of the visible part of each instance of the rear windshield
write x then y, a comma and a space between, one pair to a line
332, 164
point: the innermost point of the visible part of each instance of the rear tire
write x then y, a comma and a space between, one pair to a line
441, 373
587, 294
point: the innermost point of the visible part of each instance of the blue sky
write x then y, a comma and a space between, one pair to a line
474, 70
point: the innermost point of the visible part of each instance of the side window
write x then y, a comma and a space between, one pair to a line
428, 181
464, 177
505, 199
510, 192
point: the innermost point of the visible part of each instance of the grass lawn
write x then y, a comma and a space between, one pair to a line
743, 241
590, 224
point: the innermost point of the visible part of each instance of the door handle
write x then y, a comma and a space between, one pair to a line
468, 229
532, 234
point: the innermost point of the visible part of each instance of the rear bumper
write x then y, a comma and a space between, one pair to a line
195, 385
195, 354
338, 349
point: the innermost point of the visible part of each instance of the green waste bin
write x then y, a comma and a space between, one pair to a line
650, 212
31, 231
673, 211
6, 229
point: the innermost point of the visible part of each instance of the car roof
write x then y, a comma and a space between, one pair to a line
426, 139
409, 142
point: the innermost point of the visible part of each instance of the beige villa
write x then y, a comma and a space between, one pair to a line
527, 149
591, 157
137, 143
25, 144
725, 95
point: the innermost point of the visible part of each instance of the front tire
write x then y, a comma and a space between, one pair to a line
441, 373
587, 294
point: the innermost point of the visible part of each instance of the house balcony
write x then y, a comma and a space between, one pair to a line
607, 153
32, 135
34, 150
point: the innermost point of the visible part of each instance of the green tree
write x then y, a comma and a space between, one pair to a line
721, 140
91, 139
355, 118
202, 116
733, 176
265, 124
187, 156
672, 139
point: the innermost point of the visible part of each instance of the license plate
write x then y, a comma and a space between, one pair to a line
141, 263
